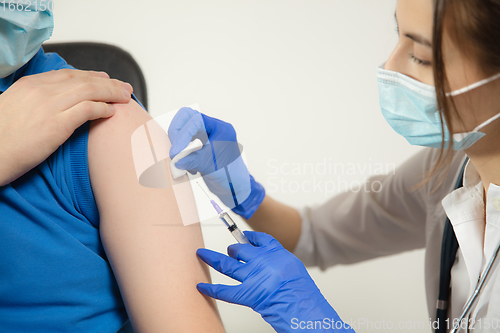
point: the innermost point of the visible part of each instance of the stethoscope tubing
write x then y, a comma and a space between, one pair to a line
477, 291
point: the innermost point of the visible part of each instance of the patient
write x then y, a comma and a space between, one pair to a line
85, 248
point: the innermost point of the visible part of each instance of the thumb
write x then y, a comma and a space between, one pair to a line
259, 239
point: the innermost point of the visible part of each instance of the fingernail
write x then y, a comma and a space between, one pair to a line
128, 87
126, 93
104, 74
112, 108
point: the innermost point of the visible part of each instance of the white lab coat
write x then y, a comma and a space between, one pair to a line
353, 227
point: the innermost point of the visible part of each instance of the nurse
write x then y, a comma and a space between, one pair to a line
439, 89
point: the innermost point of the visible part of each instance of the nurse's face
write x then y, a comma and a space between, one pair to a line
412, 56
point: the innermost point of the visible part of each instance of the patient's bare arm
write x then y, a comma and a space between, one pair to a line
152, 253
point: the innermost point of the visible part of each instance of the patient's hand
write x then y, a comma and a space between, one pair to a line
153, 255
40, 112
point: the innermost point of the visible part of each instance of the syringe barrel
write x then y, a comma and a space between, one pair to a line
233, 228
239, 236
228, 221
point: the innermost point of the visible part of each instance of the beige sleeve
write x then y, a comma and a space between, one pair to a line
353, 227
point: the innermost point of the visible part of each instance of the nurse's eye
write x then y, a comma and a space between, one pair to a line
420, 62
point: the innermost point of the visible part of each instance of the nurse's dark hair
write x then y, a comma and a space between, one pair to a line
474, 27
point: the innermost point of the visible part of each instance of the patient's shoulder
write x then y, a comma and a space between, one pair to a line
111, 165
127, 118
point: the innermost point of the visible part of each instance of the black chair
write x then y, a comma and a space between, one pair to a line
113, 60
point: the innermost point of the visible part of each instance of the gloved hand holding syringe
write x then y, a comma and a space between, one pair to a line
191, 148
219, 161
216, 156
200, 145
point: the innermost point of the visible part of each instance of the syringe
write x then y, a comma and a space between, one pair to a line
228, 221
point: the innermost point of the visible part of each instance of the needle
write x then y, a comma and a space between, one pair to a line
203, 191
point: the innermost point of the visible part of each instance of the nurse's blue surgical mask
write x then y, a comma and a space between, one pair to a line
410, 107
23, 29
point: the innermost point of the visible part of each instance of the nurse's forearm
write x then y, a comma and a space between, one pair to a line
281, 221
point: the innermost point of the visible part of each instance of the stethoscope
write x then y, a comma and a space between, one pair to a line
449, 249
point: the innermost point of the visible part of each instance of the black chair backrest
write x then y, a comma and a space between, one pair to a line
113, 60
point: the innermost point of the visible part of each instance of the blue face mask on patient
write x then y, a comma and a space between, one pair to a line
410, 107
23, 29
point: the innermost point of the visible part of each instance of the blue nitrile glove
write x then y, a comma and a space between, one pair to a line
274, 283
219, 161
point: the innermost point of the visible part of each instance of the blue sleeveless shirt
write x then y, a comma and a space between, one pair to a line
54, 275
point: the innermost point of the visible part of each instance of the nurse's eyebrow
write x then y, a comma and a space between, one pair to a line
419, 39
416, 38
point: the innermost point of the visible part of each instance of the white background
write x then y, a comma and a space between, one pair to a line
297, 79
